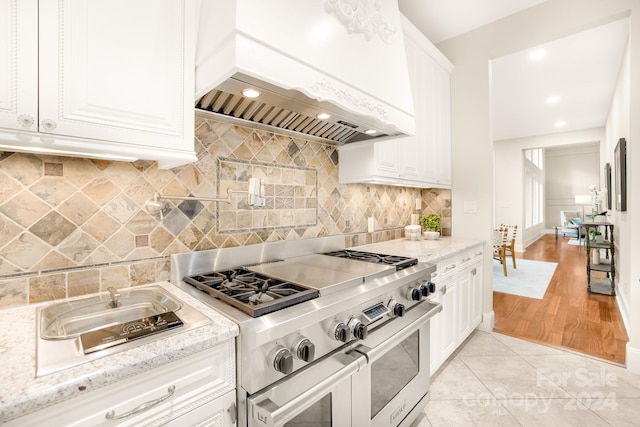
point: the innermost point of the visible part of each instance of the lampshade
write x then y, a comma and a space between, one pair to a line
583, 200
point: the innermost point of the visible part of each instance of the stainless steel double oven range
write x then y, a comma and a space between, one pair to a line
328, 337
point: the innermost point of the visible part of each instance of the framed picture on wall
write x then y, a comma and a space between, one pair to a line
620, 159
607, 184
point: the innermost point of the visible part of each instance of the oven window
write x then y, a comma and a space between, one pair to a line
393, 371
317, 415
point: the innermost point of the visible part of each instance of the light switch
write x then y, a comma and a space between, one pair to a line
471, 207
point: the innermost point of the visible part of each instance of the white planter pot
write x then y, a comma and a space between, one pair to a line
431, 235
595, 256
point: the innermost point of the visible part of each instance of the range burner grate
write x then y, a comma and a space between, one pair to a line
251, 292
399, 262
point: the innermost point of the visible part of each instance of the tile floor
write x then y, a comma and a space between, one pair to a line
496, 380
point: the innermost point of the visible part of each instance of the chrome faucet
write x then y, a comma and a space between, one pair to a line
114, 296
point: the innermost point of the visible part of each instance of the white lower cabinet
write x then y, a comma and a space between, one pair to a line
197, 390
459, 290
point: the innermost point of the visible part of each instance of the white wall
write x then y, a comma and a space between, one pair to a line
509, 176
625, 104
472, 140
569, 170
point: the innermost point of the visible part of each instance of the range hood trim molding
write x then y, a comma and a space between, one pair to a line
237, 51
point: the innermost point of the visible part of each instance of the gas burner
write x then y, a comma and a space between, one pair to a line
399, 262
251, 292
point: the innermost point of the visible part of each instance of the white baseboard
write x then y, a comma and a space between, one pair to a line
633, 359
624, 311
488, 322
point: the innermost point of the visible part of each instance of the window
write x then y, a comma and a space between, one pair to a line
533, 187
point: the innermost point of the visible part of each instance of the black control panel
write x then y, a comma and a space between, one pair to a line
124, 332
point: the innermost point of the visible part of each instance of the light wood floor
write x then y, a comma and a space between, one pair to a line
567, 316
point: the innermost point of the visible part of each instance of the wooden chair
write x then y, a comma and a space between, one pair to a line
510, 247
499, 246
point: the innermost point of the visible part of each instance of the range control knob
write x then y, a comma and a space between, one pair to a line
427, 288
396, 308
415, 294
282, 360
358, 329
305, 350
340, 332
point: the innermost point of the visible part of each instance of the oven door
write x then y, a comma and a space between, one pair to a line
393, 389
317, 396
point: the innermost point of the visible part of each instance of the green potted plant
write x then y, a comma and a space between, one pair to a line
595, 236
432, 224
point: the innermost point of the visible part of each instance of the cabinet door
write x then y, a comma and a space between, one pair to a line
386, 159
115, 70
435, 349
476, 294
463, 301
448, 319
19, 64
220, 412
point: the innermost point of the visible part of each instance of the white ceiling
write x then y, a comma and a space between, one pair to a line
580, 69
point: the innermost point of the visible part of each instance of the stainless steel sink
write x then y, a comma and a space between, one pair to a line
69, 319
60, 325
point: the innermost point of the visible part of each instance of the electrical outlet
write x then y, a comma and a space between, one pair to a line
370, 224
470, 207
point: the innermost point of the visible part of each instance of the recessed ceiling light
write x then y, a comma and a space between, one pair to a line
370, 131
323, 116
537, 54
560, 123
553, 99
250, 93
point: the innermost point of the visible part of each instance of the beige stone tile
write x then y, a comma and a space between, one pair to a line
160, 239
53, 228
78, 246
511, 376
468, 413
116, 276
620, 371
8, 186
163, 270
121, 208
53, 260
9, 230
529, 411
47, 288
25, 208
78, 208
101, 226
580, 376
190, 176
13, 292
25, 251
617, 411
83, 282
455, 380
101, 255
140, 191
141, 223
121, 174
191, 236
523, 347
26, 168
53, 190
100, 190
79, 171
143, 273
121, 243
484, 344
7, 267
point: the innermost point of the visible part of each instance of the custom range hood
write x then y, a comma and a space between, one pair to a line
305, 58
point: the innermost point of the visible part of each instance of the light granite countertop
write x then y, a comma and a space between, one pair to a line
431, 251
21, 392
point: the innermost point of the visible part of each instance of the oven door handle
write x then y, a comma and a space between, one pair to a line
270, 414
372, 354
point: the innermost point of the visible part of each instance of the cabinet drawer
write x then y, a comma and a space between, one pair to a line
456, 263
177, 387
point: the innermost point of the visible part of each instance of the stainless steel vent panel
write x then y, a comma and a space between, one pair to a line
291, 111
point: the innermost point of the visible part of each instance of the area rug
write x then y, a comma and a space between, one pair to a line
573, 242
530, 279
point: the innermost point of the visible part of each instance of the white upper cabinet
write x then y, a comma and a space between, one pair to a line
422, 160
96, 78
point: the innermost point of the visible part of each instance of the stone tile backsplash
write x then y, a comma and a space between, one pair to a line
73, 226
